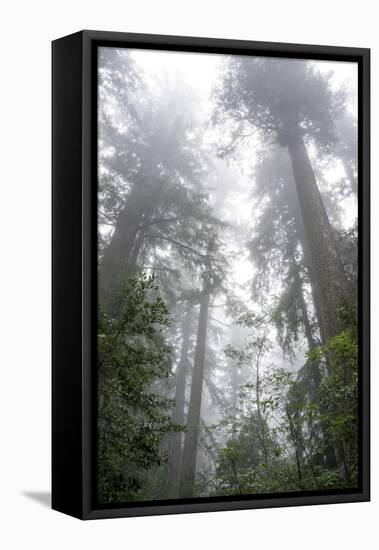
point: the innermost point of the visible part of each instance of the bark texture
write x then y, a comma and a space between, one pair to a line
329, 276
178, 416
188, 468
121, 255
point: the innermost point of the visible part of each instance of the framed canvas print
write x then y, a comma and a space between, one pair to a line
210, 274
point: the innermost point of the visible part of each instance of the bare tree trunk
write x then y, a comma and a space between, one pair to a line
329, 277
261, 421
328, 270
304, 314
188, 469
234, 376
314, 369
300, 229
121, 255
175, 445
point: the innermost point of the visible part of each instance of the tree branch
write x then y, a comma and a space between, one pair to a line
160, 220
177, 243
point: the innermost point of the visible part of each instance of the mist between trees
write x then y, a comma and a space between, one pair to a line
227, 276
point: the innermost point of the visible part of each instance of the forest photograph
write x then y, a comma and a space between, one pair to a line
227, 276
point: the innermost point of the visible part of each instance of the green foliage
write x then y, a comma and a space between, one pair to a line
166, 204
278, 437
243, 464
339, 398
132, 418
277, 99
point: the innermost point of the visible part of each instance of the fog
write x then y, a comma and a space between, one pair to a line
227, 212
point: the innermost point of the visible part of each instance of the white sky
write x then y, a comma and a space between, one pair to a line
200, 69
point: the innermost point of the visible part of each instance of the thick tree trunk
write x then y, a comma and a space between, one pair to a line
300, 230
314, 369
121, 255
188, 468
304, 317
325, 267
118, 253
328, 270
175, 449
310, 270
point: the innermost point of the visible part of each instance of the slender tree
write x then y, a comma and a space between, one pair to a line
188, 469
178, 413
211, 279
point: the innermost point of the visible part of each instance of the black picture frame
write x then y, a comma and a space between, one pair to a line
74, 267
